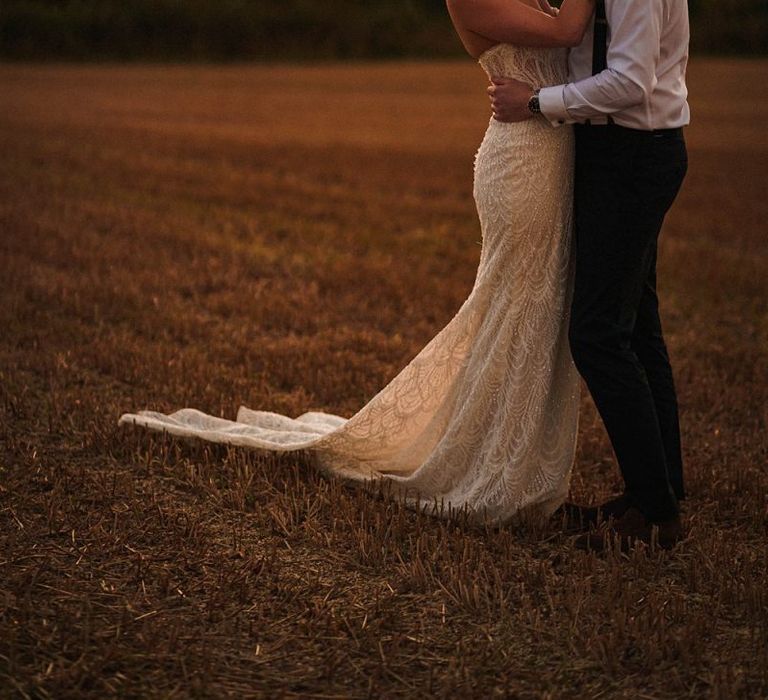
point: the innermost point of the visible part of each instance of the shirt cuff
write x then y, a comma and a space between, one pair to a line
552, 105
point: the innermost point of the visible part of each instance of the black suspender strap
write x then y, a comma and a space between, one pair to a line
600, 42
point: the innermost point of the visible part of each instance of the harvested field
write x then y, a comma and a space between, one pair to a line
287, 238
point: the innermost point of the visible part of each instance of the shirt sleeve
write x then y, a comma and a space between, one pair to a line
552, 105
633, 54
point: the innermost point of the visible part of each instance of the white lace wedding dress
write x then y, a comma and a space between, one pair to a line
484, 418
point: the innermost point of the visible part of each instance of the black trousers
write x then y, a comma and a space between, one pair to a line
626, 181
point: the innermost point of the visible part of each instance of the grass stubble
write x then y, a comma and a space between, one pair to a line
288, 238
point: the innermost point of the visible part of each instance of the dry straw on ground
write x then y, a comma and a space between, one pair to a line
287, 238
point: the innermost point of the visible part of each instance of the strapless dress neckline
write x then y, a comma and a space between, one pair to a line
538, 66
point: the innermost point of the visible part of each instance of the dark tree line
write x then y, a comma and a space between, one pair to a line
290, 29
730, 26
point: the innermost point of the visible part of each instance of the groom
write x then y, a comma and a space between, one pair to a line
627, 99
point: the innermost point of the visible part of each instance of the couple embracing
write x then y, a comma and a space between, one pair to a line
583, 157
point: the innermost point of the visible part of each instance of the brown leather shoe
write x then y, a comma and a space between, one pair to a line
584, 518
631, 528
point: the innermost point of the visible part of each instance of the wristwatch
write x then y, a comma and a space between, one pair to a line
533, 103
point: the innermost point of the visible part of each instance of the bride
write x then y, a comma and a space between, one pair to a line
484, 418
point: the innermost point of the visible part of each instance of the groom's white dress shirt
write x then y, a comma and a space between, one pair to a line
643, 86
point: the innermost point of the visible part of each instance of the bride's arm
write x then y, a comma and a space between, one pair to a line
515, 22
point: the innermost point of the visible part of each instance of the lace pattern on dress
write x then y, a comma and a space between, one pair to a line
485, 416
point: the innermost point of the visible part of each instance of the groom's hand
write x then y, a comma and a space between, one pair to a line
509, 99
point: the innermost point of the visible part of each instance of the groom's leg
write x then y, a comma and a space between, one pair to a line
625, 183
648, 343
